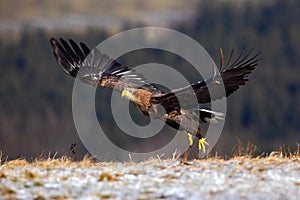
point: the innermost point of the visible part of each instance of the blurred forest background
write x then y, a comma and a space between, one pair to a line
36, 96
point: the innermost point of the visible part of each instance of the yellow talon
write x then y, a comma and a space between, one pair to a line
190, 137
202, 144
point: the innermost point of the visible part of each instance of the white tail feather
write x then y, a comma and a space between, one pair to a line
217, 116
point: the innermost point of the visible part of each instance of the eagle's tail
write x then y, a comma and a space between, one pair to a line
208, 116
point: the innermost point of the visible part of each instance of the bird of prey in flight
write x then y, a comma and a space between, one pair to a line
95, 68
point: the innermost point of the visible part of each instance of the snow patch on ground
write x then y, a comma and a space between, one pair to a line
237, 178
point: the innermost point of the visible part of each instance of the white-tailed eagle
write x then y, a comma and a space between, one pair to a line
98, 69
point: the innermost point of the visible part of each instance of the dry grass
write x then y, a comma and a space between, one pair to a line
274, 176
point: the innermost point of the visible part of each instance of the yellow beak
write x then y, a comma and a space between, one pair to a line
124, 93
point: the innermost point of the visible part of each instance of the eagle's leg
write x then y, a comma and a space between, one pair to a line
192, 152
190, 138
202, 143
195, 144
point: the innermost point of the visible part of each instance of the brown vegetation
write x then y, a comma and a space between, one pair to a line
214, 177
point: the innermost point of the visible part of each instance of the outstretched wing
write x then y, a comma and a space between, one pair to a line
233, 75
95, 68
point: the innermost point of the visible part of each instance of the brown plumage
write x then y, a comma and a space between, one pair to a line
95, 68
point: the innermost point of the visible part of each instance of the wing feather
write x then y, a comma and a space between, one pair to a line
233, 75
95, 68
